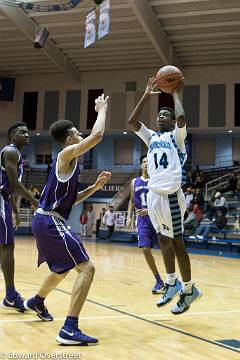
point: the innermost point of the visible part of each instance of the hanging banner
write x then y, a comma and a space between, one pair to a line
104, 19
90, 29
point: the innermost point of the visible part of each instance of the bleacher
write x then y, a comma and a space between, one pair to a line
37, 177
222, 241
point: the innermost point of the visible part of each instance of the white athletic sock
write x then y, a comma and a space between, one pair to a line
187, 287
171, 278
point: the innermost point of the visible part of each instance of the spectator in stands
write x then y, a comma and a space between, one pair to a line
190, 223
199, 181
190, 179
220, 203
99, 220
83, 223
217, 223
198, 212
109, 219
198, 198
188, 196
90, 220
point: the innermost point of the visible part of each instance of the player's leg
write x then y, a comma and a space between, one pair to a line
12, 300
158, 287
189, 292
146, 237
70, 334
172, 284
36, 303
160, 215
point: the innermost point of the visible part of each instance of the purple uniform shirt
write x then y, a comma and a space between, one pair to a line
6, 225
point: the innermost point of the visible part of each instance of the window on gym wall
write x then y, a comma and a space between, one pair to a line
43, 151
29, 115
237, 105
191, 104
51, 104
204, 151
91, 114
72, 109
217, 105
123, 151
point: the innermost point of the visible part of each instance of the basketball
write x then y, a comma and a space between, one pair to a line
168, 78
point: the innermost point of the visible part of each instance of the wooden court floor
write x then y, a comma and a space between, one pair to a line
120, 310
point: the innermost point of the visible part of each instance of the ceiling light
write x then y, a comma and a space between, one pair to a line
230, 131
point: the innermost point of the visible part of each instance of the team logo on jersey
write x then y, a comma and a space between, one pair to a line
165, 227
159, 144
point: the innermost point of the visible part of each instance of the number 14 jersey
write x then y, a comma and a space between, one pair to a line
166, 157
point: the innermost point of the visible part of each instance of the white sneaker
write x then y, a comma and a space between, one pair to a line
200, 237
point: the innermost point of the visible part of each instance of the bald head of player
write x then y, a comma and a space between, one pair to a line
166, 119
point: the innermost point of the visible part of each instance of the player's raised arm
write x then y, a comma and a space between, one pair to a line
179, 111
73, 151
102, 179
134, 117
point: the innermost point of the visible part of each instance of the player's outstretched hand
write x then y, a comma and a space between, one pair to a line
101, 103
179, 87
151, 88
102, 179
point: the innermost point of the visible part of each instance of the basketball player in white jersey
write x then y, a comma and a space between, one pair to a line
166, 203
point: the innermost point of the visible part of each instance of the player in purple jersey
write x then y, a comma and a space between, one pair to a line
57, 245
146, 232
11, 171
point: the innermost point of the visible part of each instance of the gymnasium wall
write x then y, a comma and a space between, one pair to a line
53, 90
208, 98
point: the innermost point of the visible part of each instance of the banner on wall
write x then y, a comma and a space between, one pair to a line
104, 19
90, 29
120, 220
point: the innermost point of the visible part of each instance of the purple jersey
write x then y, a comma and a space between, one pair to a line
59, 195
4, 183
140, 187
6, 225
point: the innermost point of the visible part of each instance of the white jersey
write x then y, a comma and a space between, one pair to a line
166, 157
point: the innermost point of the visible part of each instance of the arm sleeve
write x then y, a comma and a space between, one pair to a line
145, 134
180, 135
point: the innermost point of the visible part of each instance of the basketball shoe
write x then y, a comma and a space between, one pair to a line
75, 337
186, 300
158, 288
40, 310
15, 304
169, 292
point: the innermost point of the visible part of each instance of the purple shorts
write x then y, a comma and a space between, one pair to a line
57, 245
146, 236
6, 224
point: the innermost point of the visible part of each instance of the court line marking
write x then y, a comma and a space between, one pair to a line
145, 270
104, 317
212, 342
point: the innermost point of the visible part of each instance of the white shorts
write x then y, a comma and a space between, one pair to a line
166, 212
